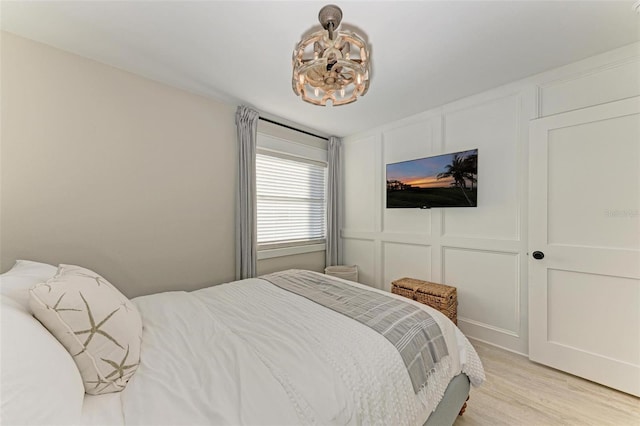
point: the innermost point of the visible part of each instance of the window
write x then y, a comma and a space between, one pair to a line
290, 200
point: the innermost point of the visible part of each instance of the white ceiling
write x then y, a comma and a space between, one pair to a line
424, 53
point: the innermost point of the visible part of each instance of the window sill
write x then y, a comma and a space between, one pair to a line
289, 251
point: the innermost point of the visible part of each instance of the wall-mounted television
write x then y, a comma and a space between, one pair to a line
447, 180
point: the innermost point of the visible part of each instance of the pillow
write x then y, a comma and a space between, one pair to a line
96, 323
40, 383
16, 282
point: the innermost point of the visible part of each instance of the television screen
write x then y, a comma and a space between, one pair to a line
447, 180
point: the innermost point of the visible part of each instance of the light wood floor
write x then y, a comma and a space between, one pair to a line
520, 392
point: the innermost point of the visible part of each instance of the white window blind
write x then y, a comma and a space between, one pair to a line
290, 200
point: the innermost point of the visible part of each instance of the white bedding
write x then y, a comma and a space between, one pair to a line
231, 354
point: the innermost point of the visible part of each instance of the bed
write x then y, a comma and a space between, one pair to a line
247, 352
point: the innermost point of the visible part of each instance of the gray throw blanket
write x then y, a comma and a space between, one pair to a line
413, 332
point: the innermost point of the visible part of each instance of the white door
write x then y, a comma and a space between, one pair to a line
584, 218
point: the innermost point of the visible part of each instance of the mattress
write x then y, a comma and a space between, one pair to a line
249, 352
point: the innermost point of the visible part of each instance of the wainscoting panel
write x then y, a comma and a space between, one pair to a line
362, 254
408, 141
359, 190
405, 260
488, 287
407, 220
493, 127
609, 83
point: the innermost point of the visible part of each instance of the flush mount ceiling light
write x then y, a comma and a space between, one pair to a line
324, 66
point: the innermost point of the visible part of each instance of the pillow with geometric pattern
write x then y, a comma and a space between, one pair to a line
98, 325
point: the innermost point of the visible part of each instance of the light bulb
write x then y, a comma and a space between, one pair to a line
359, 79
316, 92
342, 92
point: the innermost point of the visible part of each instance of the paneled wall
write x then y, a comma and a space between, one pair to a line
482, 251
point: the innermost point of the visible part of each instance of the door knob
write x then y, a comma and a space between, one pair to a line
538, 255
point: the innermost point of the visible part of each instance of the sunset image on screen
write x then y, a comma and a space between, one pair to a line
448, 180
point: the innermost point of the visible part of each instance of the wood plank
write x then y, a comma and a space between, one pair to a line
521, 392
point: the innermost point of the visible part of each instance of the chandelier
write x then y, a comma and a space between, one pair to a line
324, 66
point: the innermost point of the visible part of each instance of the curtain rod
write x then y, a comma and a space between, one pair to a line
292, 128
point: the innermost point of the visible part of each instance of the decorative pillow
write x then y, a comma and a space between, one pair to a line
41, 385
96, 323
16, 282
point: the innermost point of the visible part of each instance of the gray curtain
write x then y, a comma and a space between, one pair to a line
334, 201
246, 227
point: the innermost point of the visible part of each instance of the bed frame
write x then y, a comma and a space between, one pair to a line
453, 403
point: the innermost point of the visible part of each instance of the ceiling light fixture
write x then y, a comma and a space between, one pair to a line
324, 66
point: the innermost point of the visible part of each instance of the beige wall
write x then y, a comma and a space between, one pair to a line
114, 172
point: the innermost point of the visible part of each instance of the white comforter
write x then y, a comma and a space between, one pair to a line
251, 353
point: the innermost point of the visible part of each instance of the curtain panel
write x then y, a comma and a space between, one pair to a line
246, 227
334, 201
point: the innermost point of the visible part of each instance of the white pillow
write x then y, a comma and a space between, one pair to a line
16, 282
96, 323
41, 384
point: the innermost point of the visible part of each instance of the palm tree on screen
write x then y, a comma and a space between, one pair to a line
460, 171
471, 168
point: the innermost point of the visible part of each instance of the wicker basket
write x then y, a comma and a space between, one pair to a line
346, 272
439, 296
